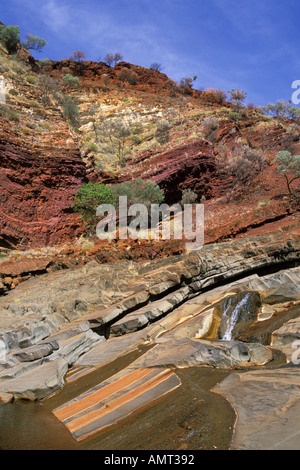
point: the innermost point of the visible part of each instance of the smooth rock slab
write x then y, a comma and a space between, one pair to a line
267, 403
41, 378
192, 352
36, 384
115, 399
30, 354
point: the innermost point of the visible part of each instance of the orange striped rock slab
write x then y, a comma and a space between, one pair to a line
115, 399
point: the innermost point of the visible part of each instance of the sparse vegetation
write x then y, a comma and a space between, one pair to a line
93, 147
237, 98
9, 113
281, 110
209, 127
188, 80
163, 132
113, 134
243, 166
185, 85
45, 63
49, 88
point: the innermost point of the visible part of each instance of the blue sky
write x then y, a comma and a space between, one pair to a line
252, 45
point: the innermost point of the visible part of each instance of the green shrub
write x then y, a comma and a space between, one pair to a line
33, 103
70, 81
188, 197
13, 92
30, 79
44, 125
163, 132
13, 116
70, 109
234, 116
88, 197
139, 191
136, 139
93, 147
30, 125
10, 37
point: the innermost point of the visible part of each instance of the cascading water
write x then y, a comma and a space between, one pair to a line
233, 318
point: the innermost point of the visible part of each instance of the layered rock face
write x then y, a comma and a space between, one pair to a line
43, 161
191, 165
38, 180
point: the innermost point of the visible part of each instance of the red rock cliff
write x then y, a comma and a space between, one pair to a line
38, 182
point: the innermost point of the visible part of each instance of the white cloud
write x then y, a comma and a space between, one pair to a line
56, 16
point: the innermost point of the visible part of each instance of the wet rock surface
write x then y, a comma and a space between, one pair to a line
270, 421
62, 326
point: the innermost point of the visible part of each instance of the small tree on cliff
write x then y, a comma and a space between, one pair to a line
34, 42
289, 167
77, 56
156, 66
237, 98
88, 197
111, 58
118, 57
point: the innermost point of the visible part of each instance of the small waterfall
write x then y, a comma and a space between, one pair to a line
232, 319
